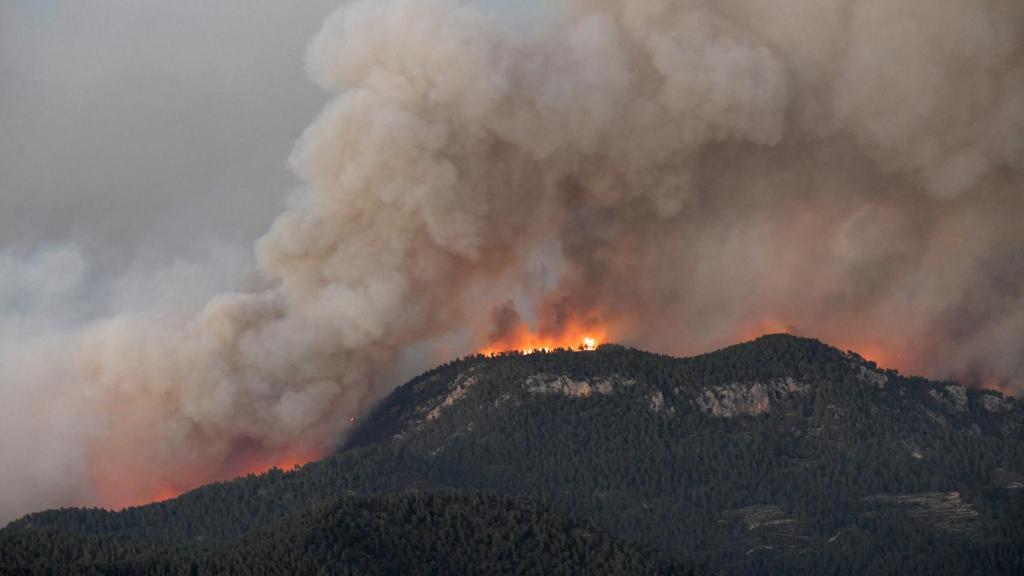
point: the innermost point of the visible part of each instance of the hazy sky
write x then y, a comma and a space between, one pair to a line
844, 169
147, 125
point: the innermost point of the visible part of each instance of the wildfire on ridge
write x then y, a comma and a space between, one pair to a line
286, 462
527, 342
120, 493
165, 493
882, 353
882, 356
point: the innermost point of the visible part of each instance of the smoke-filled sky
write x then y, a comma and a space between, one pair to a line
161, 123
673, 175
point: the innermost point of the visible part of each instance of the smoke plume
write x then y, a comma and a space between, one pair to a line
679, 175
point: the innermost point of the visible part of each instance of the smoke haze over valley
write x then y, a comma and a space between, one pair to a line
676, 176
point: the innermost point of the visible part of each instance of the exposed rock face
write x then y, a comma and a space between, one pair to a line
735, 400
656, 401
952, 397
995, 402
944, 510
1004, 410
936, 417
913, 450
873, 377
746, 398
458, 390
866, 372
544, 383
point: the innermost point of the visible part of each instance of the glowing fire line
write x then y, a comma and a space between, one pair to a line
529, 343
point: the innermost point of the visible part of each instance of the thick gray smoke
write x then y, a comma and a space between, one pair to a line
682, 174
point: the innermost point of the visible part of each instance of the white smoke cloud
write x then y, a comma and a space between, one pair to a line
850, 170
55, 417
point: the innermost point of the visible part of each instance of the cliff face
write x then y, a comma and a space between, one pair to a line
782, 455
748, 399
794, 449
771, 381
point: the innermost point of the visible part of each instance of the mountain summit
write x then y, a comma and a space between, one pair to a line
778, 455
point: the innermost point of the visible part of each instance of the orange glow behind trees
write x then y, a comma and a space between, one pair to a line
573, 337
123, 491
120, 491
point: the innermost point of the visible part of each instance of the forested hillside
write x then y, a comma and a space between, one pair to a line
408, 533
779, 455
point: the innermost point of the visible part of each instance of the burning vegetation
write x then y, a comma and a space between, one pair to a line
667, 174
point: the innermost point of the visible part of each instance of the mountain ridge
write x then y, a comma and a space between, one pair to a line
781, 454
783, 349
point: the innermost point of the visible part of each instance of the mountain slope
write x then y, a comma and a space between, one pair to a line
407, 533
779, 454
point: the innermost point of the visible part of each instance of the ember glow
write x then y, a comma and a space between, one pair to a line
884, 354
674, 176
528, 342
118, 493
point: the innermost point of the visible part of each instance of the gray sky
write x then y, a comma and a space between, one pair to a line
146, 125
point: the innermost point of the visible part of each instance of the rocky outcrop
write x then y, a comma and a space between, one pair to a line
867, 372
656, 401
952, 397
545, 383
944, 510
994, 402
456, 392
735, 400
873, 377
746, 398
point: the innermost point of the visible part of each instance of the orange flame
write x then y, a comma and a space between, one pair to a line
286, 462
764, 327
524, 340
117, 490
165, 492
883, 356
882, 353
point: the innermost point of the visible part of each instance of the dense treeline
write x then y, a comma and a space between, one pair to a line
406, 533
648, 465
